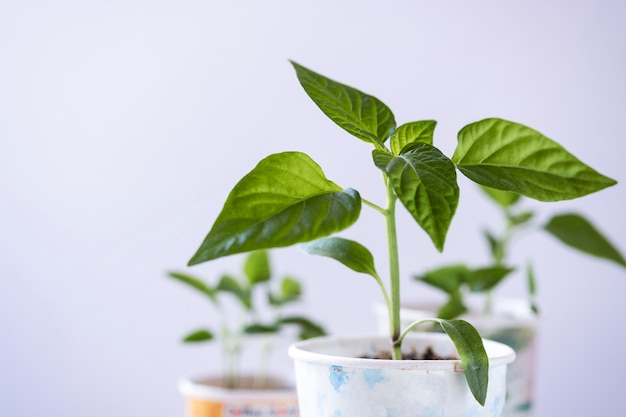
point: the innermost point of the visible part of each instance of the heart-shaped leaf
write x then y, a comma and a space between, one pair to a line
577, 232
424, 180
350, 253
284, 200
421, 131
360, 114
512, 157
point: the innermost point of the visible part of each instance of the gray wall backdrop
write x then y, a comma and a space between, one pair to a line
124, 124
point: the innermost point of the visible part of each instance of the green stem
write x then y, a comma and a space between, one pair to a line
374, 206
260, 379
499, 256
394, 271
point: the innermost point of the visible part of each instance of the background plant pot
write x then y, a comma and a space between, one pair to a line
206, 396
511, 322
333, 379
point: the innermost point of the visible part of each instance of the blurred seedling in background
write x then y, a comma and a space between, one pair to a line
457, 280
253, 295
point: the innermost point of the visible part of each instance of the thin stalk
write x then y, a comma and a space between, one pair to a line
374, 206
499, 256
394, 270
230, 352
260, 379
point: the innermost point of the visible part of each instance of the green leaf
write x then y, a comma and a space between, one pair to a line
195, 283
285, 199
503, 198
408, 133
577, 232
521, 218
257, 267
447, 278
494, 244
532, 288
453, 308
512, 157
290, 290
359, 114
350, 253
484, 279
471, 350
260, 328
424, 180
230, 285
201, 335
307, 328
381, 158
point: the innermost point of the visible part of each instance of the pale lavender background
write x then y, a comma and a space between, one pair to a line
124, 124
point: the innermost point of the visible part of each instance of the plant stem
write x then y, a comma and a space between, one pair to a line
374, 206
394, 270
260, 379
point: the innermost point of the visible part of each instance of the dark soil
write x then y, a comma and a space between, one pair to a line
428, 354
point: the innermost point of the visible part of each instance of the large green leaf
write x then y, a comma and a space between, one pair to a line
360, 114
471, 350
577, 232
408, 133
424, 180
350, 253
512, 157
257, 267
285, 199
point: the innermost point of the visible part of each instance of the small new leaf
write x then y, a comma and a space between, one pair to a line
577, 232
408, 133
512, 157
257, 267
201, 335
